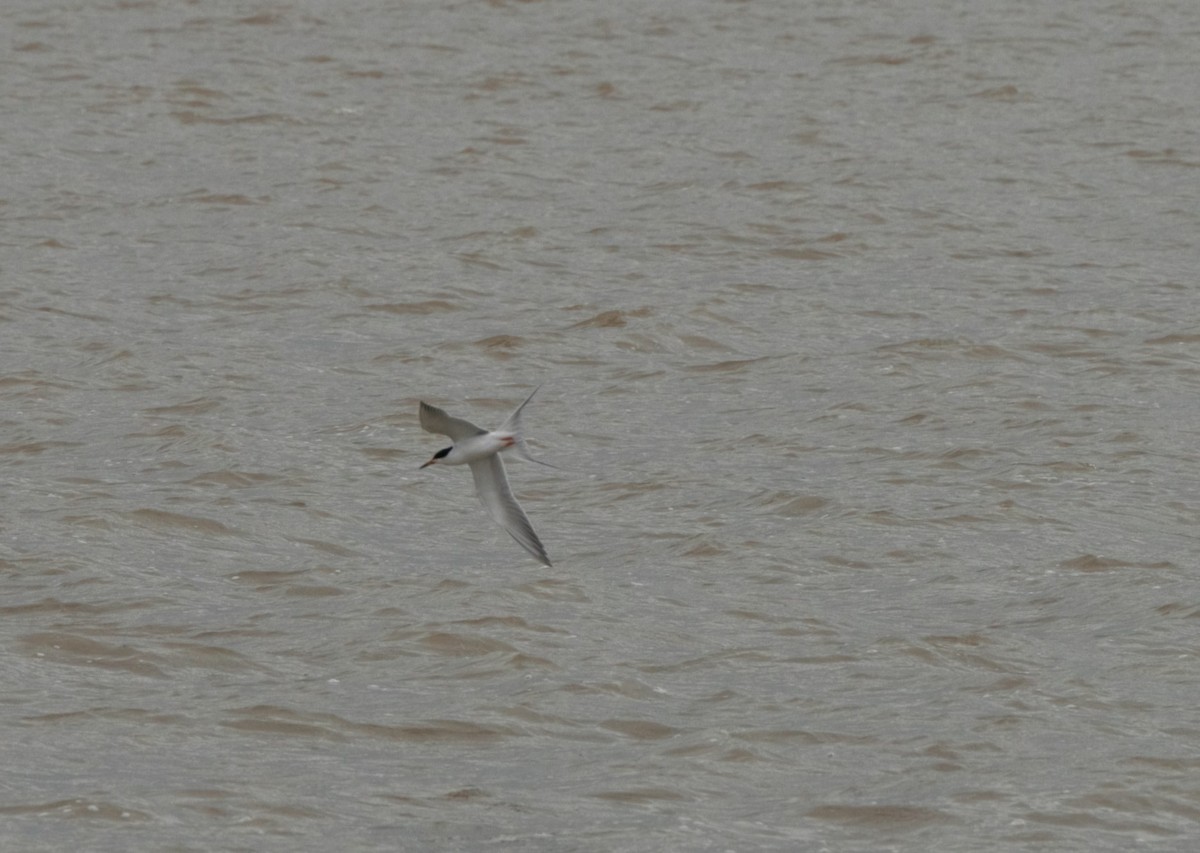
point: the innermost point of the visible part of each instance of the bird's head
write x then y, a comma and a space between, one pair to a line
437, 457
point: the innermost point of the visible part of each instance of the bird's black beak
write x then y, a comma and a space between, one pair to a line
427, 464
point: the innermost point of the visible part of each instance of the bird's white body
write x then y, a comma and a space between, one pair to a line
481, 449
478, 447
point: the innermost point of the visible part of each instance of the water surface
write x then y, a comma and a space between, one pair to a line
867, 334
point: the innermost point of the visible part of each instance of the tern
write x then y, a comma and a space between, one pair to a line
481, 449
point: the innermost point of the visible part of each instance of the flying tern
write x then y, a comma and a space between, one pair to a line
481, 449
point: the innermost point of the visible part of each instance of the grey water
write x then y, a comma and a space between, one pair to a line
868, 341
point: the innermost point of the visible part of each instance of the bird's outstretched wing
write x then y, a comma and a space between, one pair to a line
436, 420
491, 484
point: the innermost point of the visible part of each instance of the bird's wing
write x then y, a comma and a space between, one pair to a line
436, 420
491, 485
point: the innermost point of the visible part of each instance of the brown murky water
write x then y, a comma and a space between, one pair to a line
869, 348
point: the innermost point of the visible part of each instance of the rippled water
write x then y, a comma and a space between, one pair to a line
869, 349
